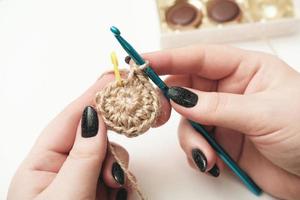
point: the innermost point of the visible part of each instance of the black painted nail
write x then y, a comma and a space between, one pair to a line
89, 122
199, 159
215, 171
122, 194
118, 173
127, 59
182, 96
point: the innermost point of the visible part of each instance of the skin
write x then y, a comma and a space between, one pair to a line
252, 102
249, 99
64, 165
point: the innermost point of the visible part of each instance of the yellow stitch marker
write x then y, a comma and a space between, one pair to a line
114, 61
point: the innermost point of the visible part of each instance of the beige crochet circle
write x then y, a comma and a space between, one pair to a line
129, 108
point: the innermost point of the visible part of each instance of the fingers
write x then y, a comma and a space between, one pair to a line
196, 82
79, 174
217, 109
102, 192
59, 135
119, 194
165, 111
199, 153
210, 61
185, 81
112, 173
113, 184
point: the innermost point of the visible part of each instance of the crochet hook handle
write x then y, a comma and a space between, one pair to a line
139, 60
250, 184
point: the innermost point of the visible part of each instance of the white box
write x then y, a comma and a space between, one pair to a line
231, 32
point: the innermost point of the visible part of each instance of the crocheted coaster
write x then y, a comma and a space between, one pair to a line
129, 108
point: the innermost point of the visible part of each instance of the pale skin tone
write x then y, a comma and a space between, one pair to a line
251, 99
64, 165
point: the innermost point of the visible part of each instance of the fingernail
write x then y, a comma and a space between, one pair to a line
215, 171
182, 96
127, 59
89, 122
122, 194
199, 159
118, 173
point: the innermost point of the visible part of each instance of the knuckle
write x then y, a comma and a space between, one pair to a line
77, 154
215, 104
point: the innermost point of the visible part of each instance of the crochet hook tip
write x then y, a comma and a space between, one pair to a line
115, 30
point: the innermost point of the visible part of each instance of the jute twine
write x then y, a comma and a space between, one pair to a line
129, 107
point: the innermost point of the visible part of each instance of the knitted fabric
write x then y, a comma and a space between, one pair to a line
130, 107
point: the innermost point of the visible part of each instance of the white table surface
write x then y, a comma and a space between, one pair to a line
51, 51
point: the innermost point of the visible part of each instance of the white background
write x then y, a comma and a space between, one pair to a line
51, 51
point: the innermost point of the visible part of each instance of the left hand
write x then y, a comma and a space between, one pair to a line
70, 158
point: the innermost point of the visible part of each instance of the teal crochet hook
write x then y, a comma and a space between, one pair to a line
198, 127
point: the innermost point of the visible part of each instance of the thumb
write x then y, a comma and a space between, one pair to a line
226, 110
78, 176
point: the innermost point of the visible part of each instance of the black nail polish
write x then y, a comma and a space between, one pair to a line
118, 173
182, 96
127, 59
215, 171
89, 122
122, 194
199, 159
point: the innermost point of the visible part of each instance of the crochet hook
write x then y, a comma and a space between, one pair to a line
249, 183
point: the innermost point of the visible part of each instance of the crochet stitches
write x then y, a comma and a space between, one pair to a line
129, 108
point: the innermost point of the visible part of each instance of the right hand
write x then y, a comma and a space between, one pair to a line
252, 101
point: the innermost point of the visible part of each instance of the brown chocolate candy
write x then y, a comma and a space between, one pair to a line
183, 16
223, 10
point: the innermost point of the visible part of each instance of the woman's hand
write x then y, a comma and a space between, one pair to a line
252, 103
70, 158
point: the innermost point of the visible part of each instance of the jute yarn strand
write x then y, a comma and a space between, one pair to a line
129, 107
133, 183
